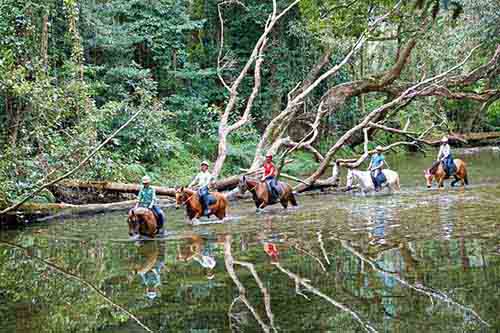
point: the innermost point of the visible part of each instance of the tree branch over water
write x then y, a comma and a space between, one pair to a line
79, 279
76, 168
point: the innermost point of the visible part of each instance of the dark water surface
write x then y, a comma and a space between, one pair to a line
419, 261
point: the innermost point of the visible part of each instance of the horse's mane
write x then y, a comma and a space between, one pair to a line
188, 191
432, 170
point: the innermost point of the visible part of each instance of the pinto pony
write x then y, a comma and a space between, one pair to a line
437, 172
261, 195
141, 221
194, 208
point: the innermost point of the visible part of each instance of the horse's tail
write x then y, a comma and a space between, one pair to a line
293, 201
398, 184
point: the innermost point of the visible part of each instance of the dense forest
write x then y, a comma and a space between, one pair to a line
228, 81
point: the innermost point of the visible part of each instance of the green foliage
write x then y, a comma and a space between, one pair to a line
494, 115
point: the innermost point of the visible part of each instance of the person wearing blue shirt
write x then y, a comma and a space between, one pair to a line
375, 167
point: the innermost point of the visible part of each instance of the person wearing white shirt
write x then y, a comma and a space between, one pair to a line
444, 156
203, 180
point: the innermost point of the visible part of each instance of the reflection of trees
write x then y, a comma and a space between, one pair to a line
29, 254
299, 282
432, 293
305, 283
230, 262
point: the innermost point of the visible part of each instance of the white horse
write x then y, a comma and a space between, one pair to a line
365, 180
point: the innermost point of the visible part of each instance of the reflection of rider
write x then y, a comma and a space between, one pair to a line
270, 175
444, 156
375, 167
200, 253
150, 273
147, 199
272, 251
203, 180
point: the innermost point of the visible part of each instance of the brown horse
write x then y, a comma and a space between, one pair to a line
261, 195
141, 221
194, 208
437, 172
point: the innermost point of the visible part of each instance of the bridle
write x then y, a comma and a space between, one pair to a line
248, 187
188, 199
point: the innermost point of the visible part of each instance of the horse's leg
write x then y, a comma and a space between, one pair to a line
292, 199
455, 181
220, 213
441, 182
284, 202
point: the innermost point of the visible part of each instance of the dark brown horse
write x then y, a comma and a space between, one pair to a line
261, 195
141, 221
194, 208
438, 172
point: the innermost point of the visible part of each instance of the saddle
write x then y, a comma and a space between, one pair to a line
211, 199
449, 167
379, 179
275, 192
156, 216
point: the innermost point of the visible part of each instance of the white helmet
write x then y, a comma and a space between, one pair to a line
205, 163
444, 139
146, 180
379, 148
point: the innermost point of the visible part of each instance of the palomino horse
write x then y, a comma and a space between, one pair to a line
365, 180
194, 208
439, 174
261, 196
141, 221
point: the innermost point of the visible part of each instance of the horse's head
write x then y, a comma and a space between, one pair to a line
350, 177
180, 195
133, 223
242, 185
428, 177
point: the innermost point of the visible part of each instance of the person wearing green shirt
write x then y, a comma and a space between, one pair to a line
147, 199
203, 181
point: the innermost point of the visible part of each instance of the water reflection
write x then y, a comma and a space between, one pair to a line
417, 261
150, 270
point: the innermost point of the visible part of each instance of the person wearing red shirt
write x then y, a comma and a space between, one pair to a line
270, 175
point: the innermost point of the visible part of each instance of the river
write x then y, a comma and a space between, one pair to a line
420, 260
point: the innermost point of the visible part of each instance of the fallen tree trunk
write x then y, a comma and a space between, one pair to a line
115, 187
43, 212
481, 136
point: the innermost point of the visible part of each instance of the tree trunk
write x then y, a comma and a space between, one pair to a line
44, 41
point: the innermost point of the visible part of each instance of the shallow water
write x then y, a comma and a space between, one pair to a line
415, 261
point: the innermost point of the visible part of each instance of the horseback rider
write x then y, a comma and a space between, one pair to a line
147, 199
270, 175
444, 156
375, 167
203, 180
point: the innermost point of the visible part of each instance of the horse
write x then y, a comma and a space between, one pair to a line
365, 180
261, 196
194, 207
438, 172
141, 221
